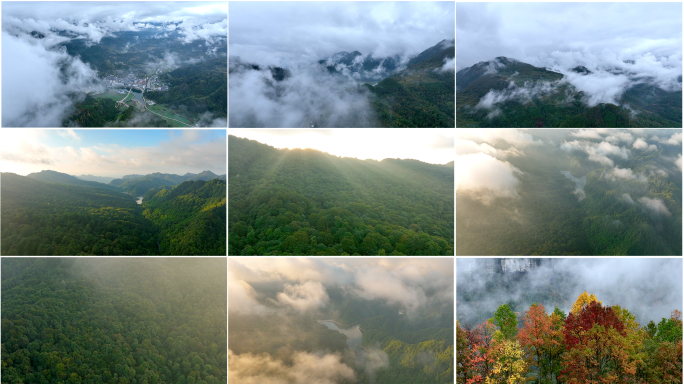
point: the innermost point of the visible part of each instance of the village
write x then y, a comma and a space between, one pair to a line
131, 81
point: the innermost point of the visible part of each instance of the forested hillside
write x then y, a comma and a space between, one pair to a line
422, 95
199, 88
44, 218
191, 217
305, 202
628, 206
114, 320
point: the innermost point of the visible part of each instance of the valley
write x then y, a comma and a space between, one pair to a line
52, 213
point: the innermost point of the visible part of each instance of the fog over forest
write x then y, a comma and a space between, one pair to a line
275, 308
650, 288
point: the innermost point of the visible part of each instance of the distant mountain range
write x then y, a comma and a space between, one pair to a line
133, 184
416, 91
505, 92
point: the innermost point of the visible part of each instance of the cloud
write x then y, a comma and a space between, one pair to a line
627, 174
24, 107
627, 282
306, 368
623, 44
308, 97
465, 147
675, 139
303, 297
641, 144
587, 134
490, 177
382, 29
597, 152
514, 137
523, 94
627, 198
409, 282
678, 162
176, 153
655, 205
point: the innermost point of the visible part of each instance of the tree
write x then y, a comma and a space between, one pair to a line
509, 365
506, 320
582, 300
541, 338
597, 347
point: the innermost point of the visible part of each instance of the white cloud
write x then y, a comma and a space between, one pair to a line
626, 197
587, 134
597, 152
641, 144
627, 174
490, 177
675, 139
304, 297
655, 205
306, 368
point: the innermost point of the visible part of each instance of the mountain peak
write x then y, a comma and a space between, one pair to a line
581, 69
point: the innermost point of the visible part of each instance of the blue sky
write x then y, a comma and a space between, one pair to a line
112, 153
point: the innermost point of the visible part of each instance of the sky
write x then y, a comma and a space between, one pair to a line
628, 282
434, 146
283, 33
35, 90
112, 153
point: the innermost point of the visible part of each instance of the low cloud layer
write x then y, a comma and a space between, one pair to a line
409, 282
291, 33
622, 44
306, 368
31, 49
310, 96
627, 282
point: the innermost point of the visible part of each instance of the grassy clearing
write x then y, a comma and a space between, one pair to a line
169, 113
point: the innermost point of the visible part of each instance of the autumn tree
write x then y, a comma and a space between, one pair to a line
582, 300
479, 343
509, 364
597, 347
541, 337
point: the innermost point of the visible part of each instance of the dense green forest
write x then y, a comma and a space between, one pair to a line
536, 97
422, 95
197, 88
53, 217
546, 217
305, 202
114, 320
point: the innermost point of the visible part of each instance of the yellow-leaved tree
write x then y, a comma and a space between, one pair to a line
582, 300
510, 366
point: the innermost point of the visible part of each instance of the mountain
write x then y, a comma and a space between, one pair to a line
314, 203
364, 68
54, 217
63, 178
422, 95
139, 184
99, 179
191, 217
505, 92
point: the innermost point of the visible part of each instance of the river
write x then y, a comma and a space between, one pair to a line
353, 334
579, 184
